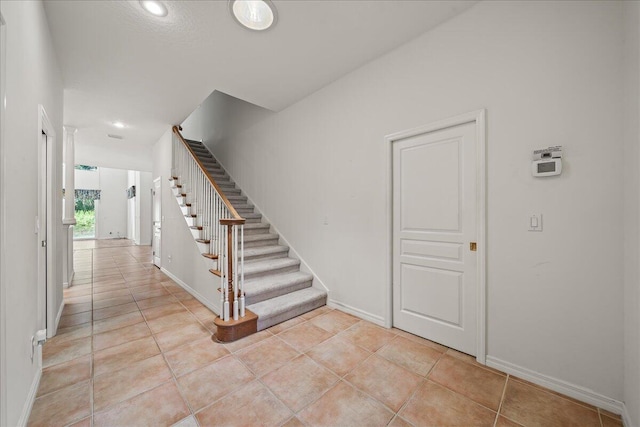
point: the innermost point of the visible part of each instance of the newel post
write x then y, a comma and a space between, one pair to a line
232, 259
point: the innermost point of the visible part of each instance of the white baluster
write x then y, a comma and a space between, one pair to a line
225, 284
242, 312
235, 273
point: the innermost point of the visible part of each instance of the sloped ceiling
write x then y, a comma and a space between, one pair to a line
120, 63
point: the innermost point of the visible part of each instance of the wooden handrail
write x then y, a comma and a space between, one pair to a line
236, 217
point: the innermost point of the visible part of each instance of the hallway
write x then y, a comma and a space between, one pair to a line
134, 349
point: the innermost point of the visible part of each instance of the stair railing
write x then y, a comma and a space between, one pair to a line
220, 225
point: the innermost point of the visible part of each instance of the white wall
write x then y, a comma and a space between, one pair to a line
631, 12
117, 154
212, 122
33, 78
548, 73
111, 211
111, 219
143, 208
179, 252
86, 179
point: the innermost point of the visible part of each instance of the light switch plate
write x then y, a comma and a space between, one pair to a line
535, 222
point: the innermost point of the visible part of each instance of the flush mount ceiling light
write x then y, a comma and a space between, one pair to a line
119, 125
256, 15
154, 7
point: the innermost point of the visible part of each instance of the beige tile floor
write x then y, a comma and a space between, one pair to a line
135, 349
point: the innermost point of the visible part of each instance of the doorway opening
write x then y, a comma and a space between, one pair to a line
44, 225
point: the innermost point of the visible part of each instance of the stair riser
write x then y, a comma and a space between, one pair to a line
286, 269
195, 233
253, 220
244, 210
276, 255
176, 190
254, 231
200, 150
259, 243
211, 263
186, 210
272, 293
203, 247
241, 200
190, 220
212, 166
224, 184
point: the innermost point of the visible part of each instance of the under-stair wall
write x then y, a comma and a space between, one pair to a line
180, 258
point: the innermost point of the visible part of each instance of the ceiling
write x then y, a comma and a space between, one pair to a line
120, 63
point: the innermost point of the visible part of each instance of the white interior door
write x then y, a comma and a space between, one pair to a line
41, 224
434, 229
156, 221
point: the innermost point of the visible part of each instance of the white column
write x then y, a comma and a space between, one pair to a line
69, 215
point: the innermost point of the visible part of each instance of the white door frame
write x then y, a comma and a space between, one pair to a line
45, 127
3, 244
479, 117
156, 193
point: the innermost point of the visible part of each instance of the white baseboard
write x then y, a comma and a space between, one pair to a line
373, 318
560, 386
31, 397
192, 291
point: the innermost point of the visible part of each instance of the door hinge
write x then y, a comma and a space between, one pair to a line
44, 243
473, 246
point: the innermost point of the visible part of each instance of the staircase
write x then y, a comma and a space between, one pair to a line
274, 287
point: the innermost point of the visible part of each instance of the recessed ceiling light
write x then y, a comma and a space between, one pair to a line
119, 125
154, 7
257, 15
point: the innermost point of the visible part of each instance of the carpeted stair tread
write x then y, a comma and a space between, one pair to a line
276, 310
260, 237
253, 217
265, 251
271, 266
263, 288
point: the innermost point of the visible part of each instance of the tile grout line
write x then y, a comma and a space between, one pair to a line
504, 392
424, 380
